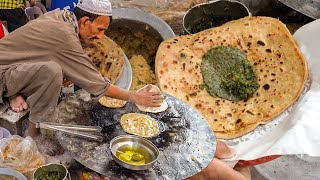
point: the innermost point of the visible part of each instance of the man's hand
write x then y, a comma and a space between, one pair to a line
217, 169
147, 97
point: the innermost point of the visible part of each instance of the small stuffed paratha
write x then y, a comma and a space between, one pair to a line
111, 102
139, 124
163, 106
108, 58
280, 67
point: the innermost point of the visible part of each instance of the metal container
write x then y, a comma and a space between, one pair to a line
12, 173
131, 140
52, 167
133, 18
220, 8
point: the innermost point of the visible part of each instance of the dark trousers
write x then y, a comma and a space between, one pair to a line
15, 18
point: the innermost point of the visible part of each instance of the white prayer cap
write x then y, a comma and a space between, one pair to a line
99, 7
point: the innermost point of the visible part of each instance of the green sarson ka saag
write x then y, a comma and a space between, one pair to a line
228, 74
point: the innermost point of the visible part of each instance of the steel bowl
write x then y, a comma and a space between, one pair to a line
131, 140
52, 167
222, 8
12, 173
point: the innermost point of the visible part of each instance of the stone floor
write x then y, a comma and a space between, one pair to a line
293, 167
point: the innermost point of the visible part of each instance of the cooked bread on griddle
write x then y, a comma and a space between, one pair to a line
139, 124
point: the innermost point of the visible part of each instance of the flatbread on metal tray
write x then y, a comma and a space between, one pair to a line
281, 72
108, 58
111, 102
139, 124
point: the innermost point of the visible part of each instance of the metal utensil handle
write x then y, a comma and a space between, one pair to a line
85, 135
76, 127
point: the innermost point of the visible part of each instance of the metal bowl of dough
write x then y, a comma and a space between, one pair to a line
213, 14
148, 149
138, 33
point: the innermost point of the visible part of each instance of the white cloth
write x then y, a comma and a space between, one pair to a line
99, 7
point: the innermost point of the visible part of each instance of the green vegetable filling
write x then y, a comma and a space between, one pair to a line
228, 74
50, 175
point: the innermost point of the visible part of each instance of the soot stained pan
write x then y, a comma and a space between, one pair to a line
186, 141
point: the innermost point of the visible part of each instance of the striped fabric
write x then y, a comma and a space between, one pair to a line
11, 4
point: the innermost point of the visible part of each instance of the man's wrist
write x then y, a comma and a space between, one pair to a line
131, 97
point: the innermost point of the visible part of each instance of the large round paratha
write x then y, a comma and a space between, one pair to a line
108, 58
280, 67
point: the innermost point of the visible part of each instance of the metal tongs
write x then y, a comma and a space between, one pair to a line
89, 132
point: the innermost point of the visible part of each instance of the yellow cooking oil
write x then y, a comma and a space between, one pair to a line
144, 157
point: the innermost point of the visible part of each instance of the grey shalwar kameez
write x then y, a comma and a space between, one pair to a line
36, 57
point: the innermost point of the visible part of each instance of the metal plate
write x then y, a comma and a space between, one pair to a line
12, 173
310, 8
125, 79
187, 143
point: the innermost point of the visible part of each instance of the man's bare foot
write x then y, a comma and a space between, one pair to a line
17, 103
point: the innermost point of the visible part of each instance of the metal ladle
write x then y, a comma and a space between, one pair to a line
134, 156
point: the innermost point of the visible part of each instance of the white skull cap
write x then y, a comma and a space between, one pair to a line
98, 7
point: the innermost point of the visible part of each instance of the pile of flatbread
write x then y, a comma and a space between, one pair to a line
109, 60
280, 67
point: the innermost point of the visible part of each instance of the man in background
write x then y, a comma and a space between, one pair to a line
34, 3
35, 10
12, 12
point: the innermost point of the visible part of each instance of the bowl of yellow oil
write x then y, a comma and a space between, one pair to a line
133, 152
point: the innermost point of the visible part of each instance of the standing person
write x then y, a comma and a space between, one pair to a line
12, 12
35, 58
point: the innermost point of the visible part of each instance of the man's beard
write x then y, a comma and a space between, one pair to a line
87, 43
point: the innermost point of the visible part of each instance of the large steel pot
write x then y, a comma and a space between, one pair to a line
134, 17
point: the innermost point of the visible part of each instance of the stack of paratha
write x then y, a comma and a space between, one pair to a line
280, 67
109, 60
